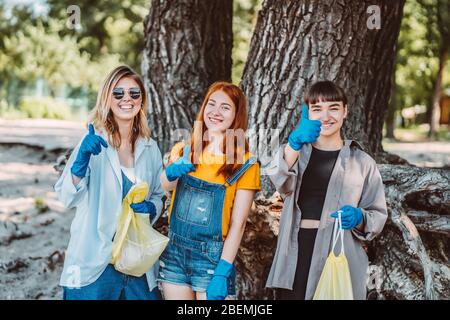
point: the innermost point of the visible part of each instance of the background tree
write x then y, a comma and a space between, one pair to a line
187, 47
411, 79
438, 12
41, 57
244, 21
298, 43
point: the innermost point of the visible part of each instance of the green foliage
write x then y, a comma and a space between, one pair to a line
108, 27
415, 64
44, 107
38, 51
418, 54
9, 112
244, 21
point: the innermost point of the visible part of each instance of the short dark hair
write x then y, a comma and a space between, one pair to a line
324, 91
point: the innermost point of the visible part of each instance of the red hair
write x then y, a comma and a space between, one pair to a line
239, 123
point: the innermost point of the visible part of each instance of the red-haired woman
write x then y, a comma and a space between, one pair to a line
213, 188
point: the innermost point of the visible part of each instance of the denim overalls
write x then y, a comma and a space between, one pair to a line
195, 232
112, 284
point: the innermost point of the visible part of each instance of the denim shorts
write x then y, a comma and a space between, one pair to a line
192, 263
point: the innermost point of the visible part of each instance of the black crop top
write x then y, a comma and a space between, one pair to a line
315, 183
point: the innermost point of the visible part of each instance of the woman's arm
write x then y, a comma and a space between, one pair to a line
373, 205
166, 184
290, 156
241, 208
69, 188
283, 174
178, 165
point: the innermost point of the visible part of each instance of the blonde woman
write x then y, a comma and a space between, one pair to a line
116, 153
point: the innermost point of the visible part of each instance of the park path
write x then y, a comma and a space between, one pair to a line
34, 225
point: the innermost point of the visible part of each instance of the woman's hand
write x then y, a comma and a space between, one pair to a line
218, 286
144, 207
350, 216
307, 131
91, 145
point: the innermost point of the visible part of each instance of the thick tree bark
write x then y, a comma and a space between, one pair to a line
187, 47
299, 42
413, 249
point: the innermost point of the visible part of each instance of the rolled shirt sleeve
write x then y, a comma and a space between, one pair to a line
373, 205
69, 194
281, 176
157, 191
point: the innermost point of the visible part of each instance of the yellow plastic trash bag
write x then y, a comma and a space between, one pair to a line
137, 246
335, 282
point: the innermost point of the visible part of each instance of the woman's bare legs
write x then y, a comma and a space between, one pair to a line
177, 292
200, 295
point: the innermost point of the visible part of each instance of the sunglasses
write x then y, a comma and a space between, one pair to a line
119, 93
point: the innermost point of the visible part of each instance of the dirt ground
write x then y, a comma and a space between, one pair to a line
34, 226
434, 154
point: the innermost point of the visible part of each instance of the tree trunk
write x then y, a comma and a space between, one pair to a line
187, 47
299, 42
413, 249
435, 114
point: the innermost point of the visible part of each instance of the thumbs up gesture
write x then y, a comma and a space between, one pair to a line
180, 167
91, 144
307, 131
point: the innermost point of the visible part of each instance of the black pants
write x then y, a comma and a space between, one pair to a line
306, 240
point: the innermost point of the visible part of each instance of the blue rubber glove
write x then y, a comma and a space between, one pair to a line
144, 207
180, 167
307, 131
218, 286
350, 217
91, 144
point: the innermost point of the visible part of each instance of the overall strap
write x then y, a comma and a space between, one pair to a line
231, 180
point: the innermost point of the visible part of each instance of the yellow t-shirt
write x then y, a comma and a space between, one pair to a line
207, 169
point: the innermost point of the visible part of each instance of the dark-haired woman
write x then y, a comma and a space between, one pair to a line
318, 173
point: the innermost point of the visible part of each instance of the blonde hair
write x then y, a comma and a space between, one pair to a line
102, 117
